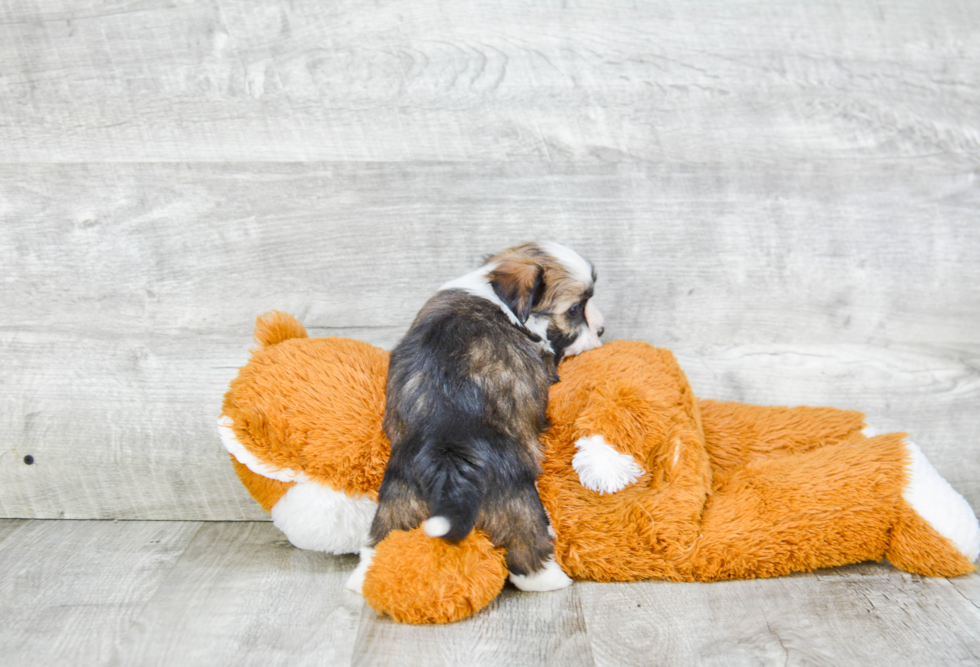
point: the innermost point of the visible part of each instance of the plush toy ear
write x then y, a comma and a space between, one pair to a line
519, 285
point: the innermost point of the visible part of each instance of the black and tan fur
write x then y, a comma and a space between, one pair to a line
467, 396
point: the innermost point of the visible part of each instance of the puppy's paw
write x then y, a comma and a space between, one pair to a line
601, 468
549, 578
356, 580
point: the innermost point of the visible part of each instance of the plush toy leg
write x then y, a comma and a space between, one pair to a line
736, 433
833, 505
415, 578
937, 532
265, 491
829, 506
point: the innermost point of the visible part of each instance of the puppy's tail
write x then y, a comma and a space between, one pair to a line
454, 493
277, 326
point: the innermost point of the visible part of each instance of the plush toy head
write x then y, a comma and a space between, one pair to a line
641, 479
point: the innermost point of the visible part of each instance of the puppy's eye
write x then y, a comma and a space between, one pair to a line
574, 310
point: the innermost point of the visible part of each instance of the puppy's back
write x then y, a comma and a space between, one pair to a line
466, 401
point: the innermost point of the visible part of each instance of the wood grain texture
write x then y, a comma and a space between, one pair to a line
128, 307
490, 81
968, 587
784, 194
166, 593
69, 590
867, 614
817, 252
8, 526
241, 594
516, 629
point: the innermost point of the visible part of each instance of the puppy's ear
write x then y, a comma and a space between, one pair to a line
519, 285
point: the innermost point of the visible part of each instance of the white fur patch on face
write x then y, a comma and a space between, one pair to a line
477, 283
601, 468
576, 266
589, 337
355, 582
932, 497
549, 578
317, 518
249, 460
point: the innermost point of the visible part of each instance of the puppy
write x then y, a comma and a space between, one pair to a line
467, 396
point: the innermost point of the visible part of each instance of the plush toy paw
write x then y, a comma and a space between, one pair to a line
601, 468
415, 578
549, 578
311, 514
932, 497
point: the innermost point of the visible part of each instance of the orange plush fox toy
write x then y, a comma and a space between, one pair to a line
641, 478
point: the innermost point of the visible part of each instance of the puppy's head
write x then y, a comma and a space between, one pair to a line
548, 288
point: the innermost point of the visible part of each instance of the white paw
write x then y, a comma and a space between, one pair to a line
549, 578
355, 582
601, 468
937, 502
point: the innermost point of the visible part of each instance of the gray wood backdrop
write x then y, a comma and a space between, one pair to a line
786, 194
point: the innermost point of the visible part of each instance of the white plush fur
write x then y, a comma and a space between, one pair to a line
317, 518
549, 578
249, 460
311, 515
937, 502
603, 469
355, 581
436, 526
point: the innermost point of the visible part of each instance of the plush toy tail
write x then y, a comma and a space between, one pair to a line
277, 326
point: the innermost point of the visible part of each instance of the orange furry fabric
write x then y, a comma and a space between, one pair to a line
455, 581
313, 405
728, 490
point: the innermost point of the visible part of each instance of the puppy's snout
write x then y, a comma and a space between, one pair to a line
595, 319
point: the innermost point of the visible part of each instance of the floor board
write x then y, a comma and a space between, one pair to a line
167, 593
867, 614
516, 629
241, 594
69, 590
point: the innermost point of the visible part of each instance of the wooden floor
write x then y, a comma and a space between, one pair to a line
786, 194
190, 593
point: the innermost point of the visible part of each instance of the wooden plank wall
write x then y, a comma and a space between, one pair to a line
786, 194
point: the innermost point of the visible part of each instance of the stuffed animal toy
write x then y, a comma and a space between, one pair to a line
641, 479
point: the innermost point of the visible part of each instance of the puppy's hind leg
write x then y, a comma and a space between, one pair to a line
399, 508
519, 523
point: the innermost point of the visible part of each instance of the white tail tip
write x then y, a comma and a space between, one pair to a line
437, 526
